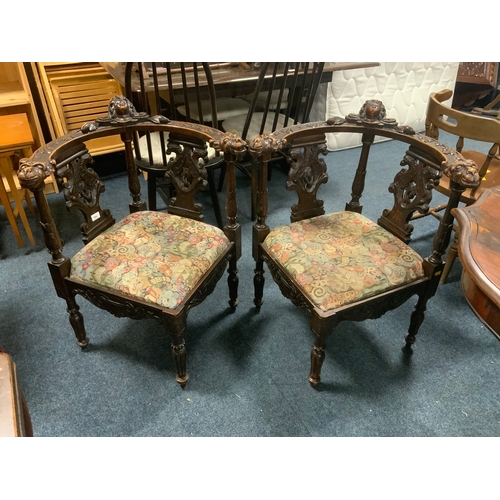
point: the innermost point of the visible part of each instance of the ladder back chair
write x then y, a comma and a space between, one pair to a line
465, 127
149, 264
182, 92
341, 265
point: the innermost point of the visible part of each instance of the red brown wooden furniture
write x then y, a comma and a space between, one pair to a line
479, 251
149, 264
465, 127
343, 266
15, 420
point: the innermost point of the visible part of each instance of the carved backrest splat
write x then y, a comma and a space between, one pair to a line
82, 189
186, 171
307, 173
412, 190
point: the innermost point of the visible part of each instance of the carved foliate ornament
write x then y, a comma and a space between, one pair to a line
230, 143
373, 112
307, 173
186, 170
464, 172
265, 145
121, 112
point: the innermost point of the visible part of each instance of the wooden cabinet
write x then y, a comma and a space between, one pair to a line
76, 93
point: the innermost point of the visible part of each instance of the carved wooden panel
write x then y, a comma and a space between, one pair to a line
485, 73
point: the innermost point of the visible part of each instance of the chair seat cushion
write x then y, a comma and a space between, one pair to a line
154, 256
156, 149
343, 257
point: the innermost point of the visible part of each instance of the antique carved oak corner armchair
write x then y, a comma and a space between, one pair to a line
343, 266
149, 264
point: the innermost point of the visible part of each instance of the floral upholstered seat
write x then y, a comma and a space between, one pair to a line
343, 257
154, 256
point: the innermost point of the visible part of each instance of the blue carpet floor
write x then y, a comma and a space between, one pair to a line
248, 370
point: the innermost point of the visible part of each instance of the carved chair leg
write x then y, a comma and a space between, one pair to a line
450, 258
317, 358
233, 281
258, 283
179, 354
76, 320
416, 320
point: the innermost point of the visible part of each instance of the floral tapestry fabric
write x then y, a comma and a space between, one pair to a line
155, 256
343, 257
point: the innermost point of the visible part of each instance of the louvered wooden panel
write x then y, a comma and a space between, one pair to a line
76, 94
84, 100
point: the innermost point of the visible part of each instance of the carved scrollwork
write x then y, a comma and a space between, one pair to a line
412, 189
379, 306
230, 143
307, 173
335, 120
209, 286
373, 113
83, 186
285, 285
186, 170
118, 306
121, 112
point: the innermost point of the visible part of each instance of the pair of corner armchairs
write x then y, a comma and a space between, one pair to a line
337, 266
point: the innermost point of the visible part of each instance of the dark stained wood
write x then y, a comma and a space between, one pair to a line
478, 248
425, 161
69, 160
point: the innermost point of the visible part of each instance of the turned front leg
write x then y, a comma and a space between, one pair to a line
76, 320
180, 355
233, 281
258, 283
317, 358
416, 320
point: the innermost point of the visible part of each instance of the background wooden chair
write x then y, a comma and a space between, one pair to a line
183, 92
15, 140
149, 264
344, 266
283, 96
470, 127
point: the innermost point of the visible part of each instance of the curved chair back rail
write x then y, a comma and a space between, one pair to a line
325, 263
173, 265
